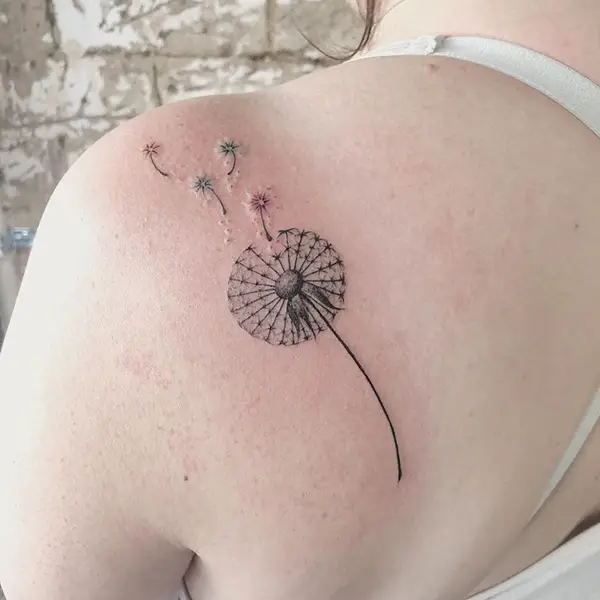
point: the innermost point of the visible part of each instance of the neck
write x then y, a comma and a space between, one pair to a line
568, 30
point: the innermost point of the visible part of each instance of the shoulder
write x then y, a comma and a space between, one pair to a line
136, 231
147, 200
160, 149
119, 316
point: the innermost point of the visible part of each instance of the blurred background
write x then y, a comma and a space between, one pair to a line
70, 70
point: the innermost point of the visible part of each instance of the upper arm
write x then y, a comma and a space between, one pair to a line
82, 388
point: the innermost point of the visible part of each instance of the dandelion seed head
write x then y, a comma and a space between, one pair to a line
227, 147
201, 184
282, 295
150, 149
258, 200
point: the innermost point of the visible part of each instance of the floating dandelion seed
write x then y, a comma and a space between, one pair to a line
150, 151
229, 150
257, 203
290, 297
203, 184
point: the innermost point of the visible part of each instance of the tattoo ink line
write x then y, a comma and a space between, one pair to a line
366, 376
150, 151
203, 184
291, 296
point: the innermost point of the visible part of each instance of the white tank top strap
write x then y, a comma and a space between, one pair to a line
569, 88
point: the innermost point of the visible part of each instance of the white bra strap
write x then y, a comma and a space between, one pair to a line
572, 90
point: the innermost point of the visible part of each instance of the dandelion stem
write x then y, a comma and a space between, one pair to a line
262, 218
156, 167
233, 164
223, 209
361, 369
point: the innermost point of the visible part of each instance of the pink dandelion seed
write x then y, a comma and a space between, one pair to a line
257, 203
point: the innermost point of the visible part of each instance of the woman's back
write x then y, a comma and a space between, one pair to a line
458, 213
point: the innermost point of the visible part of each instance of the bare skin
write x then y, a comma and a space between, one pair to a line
153, 435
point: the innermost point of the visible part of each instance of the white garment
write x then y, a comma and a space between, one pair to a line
569, 88
572, 571
183, 593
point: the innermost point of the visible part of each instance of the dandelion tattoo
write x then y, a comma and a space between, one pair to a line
290, 297
203, 184
229, 150
257, 204
150, 151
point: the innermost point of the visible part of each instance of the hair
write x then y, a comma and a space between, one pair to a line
369, 28
370, 23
